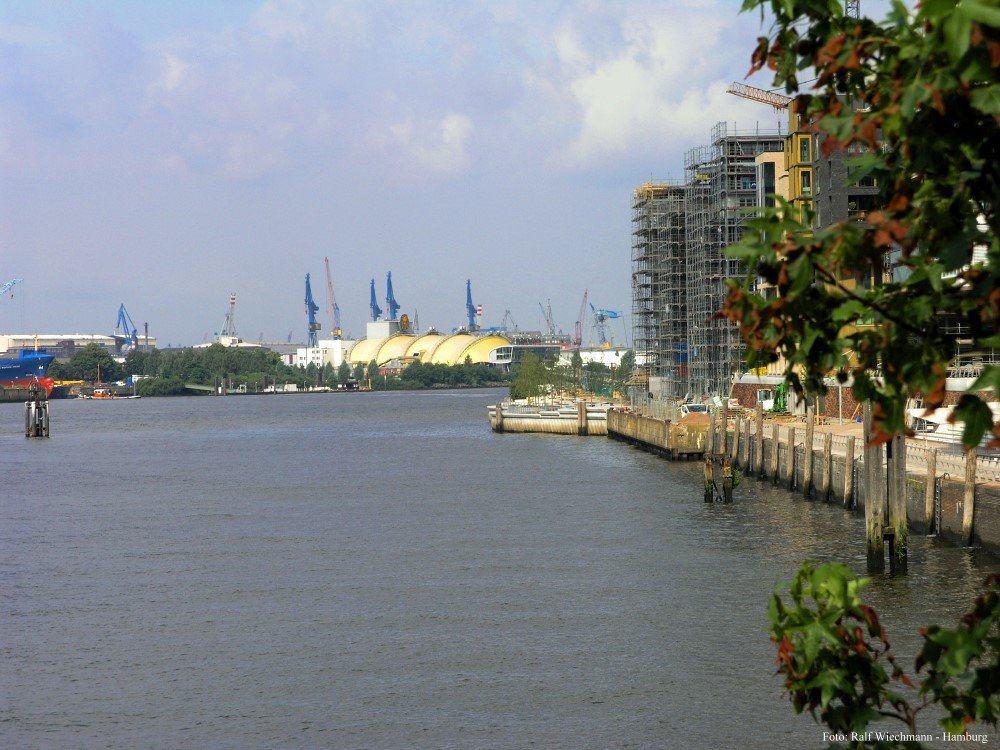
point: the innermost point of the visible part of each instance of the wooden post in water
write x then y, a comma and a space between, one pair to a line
727, 480
774, 453
759, 453
824, 488
969, 498
710, 448
930, 491
746, 464
790, 459
709, 479
807, 467
581, 417
724, 442
896, 485
874, 497
734, 451
498, 425
849, 474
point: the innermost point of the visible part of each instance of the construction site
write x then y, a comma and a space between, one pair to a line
679, 270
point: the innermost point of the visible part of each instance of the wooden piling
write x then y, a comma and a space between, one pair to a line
930, 491
581, 417
807, 454
734, 451
849, 474
759, 454
709, 479
896, 486
498, 426
790, 459
727, 480
746, 464
724, 442
774, 453
711, 447
874, 497
824, 488
969, 498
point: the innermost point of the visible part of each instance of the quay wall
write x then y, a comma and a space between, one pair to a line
945, 519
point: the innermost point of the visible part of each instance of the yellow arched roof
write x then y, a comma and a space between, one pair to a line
448, 350
479, 350
364, 351
393, 347
424, 346
433, 348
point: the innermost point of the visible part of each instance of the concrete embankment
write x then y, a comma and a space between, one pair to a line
831, 468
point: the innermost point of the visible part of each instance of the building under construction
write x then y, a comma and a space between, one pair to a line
659, 286
679, 269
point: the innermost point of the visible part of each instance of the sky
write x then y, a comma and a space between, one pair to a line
163, 155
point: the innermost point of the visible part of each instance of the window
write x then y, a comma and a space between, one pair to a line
806, 181
804, 155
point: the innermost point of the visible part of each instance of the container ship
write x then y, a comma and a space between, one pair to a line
19, 374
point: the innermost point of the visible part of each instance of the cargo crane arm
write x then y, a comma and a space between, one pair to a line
578, 326
331, 302
776, 100
376, 310
470, 309
547, 314
8, 286
127, 327
392, 307
311, 309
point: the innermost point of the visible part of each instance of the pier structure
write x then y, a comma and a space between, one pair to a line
920, 486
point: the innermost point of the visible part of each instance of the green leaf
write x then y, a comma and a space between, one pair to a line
976, 416
957, 29
987, 99
988, 381
977, 10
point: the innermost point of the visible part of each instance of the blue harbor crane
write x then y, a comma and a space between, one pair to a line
376, 310
392, 307
7, 286
470, 309
127, 328
311, 309
601, 318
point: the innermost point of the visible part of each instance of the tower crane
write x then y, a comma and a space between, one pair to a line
852, 9
128, 330
601, 318
578, 326
508, 324
311, 309
331, 303
776, 100
376, 310
392, 307
547, 314
470, 309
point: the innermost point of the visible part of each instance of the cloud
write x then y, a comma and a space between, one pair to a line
440, 146
648, 80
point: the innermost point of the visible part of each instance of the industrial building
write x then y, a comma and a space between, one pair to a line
386, 344
65, 345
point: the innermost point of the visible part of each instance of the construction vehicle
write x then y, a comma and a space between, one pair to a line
312, 308
331, 303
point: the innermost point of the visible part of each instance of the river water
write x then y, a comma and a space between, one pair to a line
381, 571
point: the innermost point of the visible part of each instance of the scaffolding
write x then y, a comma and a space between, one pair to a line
659, 284
722, 186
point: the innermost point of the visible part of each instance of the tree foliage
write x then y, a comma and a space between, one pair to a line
917, 97
835, 657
